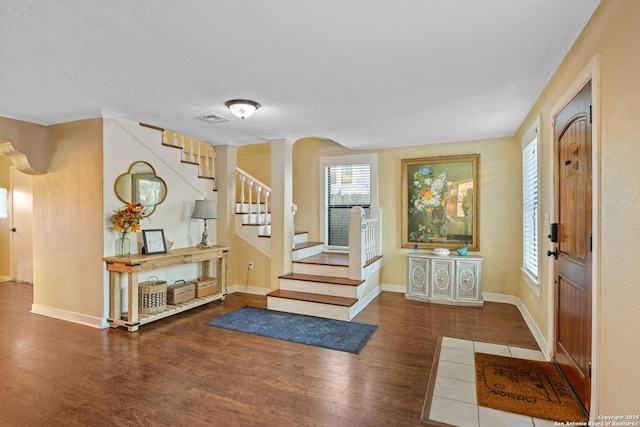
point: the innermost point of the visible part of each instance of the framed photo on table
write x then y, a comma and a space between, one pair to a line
441, 202
154, 242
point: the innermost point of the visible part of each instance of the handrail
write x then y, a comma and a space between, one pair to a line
252, 178
261, 216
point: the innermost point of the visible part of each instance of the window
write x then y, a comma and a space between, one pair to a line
3, 203
348, 181
530, 209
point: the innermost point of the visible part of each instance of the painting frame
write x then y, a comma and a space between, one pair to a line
441, 202
154, 242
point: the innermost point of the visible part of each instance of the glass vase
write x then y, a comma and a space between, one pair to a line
123, 246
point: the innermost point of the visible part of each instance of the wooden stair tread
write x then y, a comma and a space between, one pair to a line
317, 298
327, 258
322, 279
305, 245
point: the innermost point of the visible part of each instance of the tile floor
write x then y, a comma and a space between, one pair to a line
454, 394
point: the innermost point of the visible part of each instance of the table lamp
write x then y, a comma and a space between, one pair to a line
205, 209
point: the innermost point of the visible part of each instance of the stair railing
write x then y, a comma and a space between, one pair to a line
258, 212
194, 151
365, 239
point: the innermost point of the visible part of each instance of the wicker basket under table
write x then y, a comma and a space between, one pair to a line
152, 296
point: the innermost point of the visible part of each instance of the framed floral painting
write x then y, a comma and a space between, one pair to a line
441, 202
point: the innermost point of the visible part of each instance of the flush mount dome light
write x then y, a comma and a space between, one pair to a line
242, 108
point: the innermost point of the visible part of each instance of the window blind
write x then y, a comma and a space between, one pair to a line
530, 230
347, 186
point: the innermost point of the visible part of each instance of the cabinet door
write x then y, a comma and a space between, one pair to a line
442, 278
417, 276
468, 276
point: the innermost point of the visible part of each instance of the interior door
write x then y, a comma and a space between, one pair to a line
573, 266
21, 226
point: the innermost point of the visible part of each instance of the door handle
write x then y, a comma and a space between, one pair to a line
554, 252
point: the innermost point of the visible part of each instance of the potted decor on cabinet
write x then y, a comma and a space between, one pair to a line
124, 220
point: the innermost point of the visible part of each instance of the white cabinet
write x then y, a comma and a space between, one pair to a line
448, 279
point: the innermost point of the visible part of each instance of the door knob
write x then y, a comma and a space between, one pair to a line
554, 252
13, 229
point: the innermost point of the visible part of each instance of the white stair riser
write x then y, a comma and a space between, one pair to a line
300, 238
320, 270
309, 308
264, 230
306, 252
320, 288
254, 218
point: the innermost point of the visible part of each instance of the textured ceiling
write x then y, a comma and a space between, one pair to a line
364, 73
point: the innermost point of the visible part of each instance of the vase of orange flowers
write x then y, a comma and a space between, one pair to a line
124, 220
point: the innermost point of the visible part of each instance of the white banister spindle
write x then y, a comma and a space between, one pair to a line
250, 198
211, 155
242, 189
195, 150
375, 213
256, 220
190, 154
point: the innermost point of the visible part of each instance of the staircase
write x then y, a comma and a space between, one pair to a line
319, 284
331, 285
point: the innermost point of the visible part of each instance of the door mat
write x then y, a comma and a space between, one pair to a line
525, 387
320, 332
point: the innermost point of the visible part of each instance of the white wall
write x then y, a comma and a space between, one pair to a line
126, 142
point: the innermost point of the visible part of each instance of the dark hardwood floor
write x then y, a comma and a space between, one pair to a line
179, 372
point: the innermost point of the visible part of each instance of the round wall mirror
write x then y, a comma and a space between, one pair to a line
140, 184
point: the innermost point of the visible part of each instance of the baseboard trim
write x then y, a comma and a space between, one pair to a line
70, 316
531, 324
400, 289
254, 290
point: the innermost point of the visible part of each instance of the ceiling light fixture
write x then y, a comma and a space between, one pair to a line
242, 108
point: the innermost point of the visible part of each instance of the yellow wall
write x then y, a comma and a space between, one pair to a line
68, 222
5, 165
614, 34
256, 160
500, 203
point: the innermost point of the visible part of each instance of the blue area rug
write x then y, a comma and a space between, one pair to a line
328, 333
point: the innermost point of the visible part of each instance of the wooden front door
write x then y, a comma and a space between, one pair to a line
573, 266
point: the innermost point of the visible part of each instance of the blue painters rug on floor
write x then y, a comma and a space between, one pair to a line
327, 333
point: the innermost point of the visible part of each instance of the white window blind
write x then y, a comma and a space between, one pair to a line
347, 186
530, 215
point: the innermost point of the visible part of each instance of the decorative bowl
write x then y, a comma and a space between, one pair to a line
441, 251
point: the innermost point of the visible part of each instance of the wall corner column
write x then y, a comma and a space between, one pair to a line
282, 227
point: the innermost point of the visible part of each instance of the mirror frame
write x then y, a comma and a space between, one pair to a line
128, 189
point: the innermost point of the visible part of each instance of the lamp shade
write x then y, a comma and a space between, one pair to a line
205, 209
242, 107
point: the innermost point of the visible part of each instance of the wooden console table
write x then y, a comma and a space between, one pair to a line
133, 264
